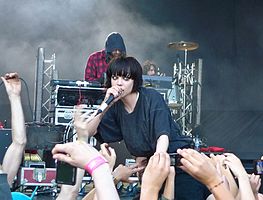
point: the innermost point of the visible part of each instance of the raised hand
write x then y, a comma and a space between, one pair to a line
12, 84
76, 153
109, 154
81, 121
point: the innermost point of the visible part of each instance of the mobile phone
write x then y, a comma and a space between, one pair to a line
65, 173
129, 162
175, 159
258, 167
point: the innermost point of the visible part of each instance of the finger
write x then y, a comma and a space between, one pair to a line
77, 112
86, 116
11, 76
162, 159
63, 148
104, 149
63, 158
133, 166
4, 80
112, 152
156, 158
150, 162
167, 160
172, 171
191, 156
111, 91
138, 169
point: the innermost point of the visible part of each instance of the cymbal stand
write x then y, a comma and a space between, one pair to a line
187, 98
185, 57
190, 92
184, 73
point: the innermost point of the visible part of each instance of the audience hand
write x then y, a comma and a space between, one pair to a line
255, 182
81, 121
199, 166
235, 165
123, 173
142, 163
168, 192
224, 171
109, 154
77, 153
156, 171
12, 84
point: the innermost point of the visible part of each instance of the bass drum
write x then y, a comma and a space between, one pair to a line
174, 100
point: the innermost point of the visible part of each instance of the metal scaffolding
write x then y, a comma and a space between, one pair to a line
45, 72
188, 79
185, 97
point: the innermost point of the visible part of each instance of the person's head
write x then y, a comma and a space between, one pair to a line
126, 68
149, 68
114, 46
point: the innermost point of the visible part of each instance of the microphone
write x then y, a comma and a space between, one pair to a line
105, 104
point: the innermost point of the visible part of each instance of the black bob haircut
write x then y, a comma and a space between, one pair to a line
126, 67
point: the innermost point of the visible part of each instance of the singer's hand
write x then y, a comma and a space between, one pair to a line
113, 94
115, 91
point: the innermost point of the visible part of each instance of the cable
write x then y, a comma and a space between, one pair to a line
29, 102
27, 91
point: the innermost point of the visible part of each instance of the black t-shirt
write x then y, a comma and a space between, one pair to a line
140, 129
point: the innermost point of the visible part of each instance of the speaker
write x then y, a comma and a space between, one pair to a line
5, 141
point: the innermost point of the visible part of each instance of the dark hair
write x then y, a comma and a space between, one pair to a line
125, 67
147, 66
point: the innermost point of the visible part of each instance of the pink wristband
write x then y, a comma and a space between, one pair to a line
94, 164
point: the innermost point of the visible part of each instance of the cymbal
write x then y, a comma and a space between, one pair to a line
182, 45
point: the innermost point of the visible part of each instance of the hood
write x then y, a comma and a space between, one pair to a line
114, 41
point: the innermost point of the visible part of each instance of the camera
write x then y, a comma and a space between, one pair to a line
66, 174
128, 163
175, 159
258, 167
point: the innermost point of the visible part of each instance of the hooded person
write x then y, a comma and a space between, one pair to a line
98, 62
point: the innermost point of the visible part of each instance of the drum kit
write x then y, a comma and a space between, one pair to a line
180, 97
180, 69
182, 87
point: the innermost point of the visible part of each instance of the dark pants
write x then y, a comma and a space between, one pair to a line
187, 188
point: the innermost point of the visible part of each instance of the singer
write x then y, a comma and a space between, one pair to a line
141, 118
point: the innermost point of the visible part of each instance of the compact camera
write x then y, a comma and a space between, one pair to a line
175, 159
66, 174
258, 167
128, 163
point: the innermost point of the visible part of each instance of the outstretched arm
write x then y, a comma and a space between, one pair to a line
201, 168
79, 154
15, 151
168, 192
154, 175
239, 171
